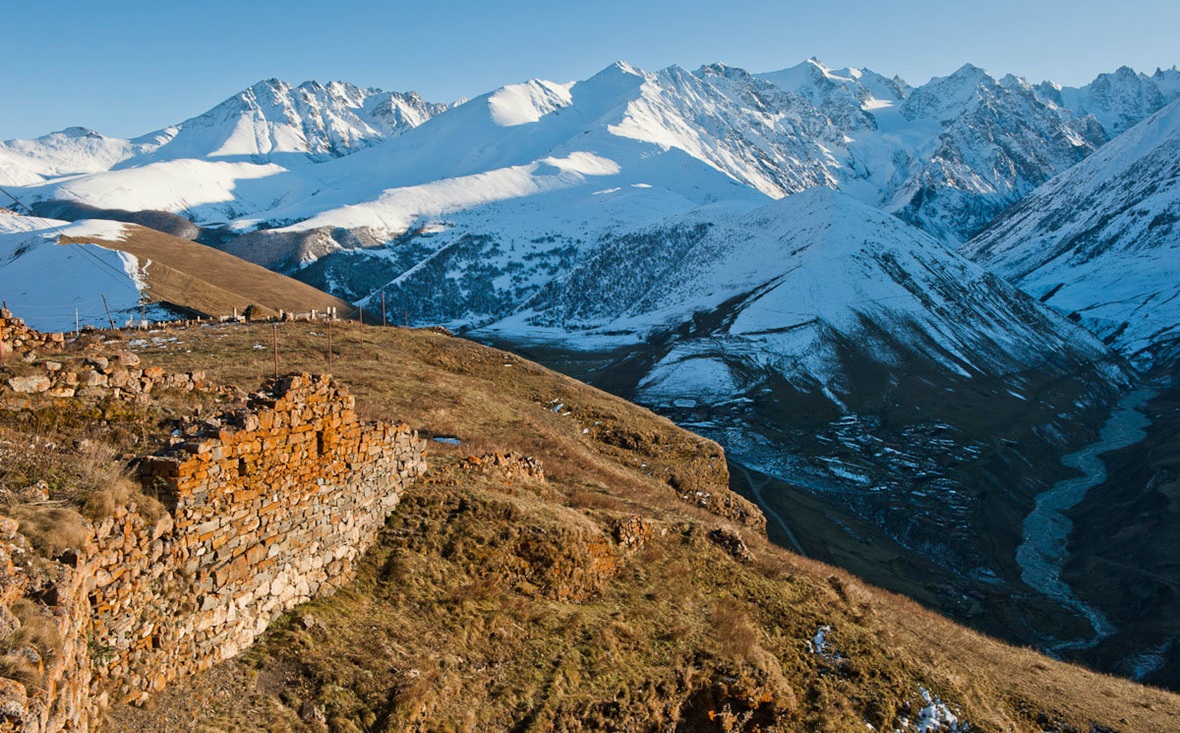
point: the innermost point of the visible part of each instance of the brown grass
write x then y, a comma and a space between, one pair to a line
457, 620
77, 453
225, 282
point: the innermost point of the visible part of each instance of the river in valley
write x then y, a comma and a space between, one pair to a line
1043, 551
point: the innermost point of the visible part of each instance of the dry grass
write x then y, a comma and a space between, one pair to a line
226, 282
64, 463
471, 613
491, 400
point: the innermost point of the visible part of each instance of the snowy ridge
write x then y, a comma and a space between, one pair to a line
793, 282
50, 280
947, 156
1117, 100
1100, 240
72, 151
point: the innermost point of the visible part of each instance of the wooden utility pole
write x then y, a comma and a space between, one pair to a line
384, 320
108, 310
362, 310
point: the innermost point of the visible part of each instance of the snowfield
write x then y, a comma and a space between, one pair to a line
46, 281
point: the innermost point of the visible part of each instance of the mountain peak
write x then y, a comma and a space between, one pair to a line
969, 72
620, 67
79, 132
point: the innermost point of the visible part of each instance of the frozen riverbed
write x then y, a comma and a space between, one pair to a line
1043, 551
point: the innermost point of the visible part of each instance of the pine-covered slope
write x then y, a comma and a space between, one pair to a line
793, 277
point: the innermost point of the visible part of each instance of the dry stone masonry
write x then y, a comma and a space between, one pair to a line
267, 507
118, 376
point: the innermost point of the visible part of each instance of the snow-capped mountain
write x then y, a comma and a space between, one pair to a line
69, 152
946, 156
1117, 100
273, 118
1102, 240
995, 143
269, 120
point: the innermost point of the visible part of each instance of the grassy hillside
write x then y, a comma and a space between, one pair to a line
600, 597
225, 282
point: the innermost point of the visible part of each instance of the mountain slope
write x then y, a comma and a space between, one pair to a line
446, 626
1099, 241
50, 269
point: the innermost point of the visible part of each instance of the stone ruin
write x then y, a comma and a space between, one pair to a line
267, 507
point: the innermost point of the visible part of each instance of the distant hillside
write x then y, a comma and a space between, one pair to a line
52, 269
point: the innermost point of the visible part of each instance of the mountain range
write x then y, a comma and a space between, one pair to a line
896, 307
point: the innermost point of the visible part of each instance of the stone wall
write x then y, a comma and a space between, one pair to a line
51, 691
16, 337
267, 507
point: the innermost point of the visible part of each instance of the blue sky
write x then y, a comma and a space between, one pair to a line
128, 67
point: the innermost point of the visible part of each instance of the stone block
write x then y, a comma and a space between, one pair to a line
30, 385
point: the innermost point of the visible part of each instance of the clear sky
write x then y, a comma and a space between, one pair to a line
127, 67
